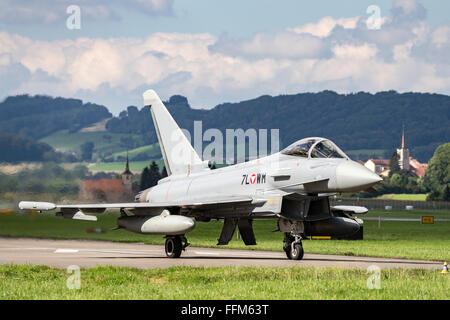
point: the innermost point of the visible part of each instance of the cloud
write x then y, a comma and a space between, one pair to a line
441, 36
286, 44
325, 25
407, 10
152, 7
54, 11
340, 54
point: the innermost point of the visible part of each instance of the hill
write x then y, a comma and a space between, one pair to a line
16, 149
360, 121
362, 124
36, 117
106, 144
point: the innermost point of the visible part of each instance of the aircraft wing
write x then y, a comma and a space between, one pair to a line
216, 200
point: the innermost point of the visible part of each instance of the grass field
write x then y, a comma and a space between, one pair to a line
104, 141
394, 239
40, 282
120, 166
151, 152
404, 196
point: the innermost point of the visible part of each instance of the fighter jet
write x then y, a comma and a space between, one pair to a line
292, 187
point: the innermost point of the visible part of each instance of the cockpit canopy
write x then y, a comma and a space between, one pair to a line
314, 148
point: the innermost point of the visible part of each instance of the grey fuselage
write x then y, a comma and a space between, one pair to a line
278, 174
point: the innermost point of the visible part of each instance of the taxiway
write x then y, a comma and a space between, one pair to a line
63, 253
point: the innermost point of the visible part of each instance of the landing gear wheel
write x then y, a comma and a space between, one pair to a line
293, 247
174, 247
295, 252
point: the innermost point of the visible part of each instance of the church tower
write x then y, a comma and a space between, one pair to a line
126, 177
403, 154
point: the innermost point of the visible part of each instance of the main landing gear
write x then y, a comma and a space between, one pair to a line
174, 245
293, 246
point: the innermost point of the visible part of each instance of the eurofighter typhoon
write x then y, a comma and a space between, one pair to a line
292, 187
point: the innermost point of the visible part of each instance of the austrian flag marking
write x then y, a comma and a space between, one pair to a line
257, 178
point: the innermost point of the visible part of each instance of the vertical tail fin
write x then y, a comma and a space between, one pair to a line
179, 155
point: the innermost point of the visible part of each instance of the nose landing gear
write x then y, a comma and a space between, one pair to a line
293, 246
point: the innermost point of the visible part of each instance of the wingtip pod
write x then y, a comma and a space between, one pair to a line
40, 206
150, 97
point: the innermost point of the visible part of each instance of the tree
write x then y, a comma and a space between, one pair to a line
154, 175
16, 149
397, 181
394, 166
437, 177
80, 171
446, 193
39, 116
433, 195
87, 149
145, 184
164, 172
150, 176
373, 119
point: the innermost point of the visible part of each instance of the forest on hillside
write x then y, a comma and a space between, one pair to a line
353, 121
15, 148
38, 116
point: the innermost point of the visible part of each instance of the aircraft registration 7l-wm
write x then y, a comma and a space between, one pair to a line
292, 187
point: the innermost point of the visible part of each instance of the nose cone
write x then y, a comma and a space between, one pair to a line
353, 177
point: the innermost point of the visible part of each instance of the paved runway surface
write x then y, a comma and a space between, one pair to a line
62, 253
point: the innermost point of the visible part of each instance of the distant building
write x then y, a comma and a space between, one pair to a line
377, 165
403, 154
406, 162
417, 168
126, 177
109, 189
360, 162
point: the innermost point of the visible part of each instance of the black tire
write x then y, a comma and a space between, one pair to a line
287, 253
173, 247
296, 252
287, 248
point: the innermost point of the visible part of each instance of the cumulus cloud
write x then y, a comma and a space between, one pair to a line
286, 44
53, 11
325, 25
407, 10
341, 55
441, 36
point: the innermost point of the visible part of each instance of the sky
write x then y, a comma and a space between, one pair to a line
110, 51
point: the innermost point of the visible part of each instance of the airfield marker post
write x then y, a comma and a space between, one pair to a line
445, 268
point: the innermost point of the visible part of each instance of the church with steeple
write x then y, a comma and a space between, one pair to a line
127, 176
403, 154
109, 190
405, 161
